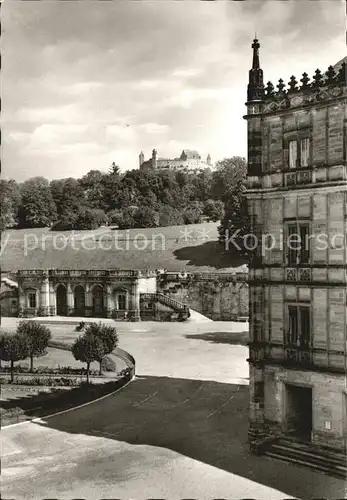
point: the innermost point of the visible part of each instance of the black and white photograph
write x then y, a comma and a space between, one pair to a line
173, 217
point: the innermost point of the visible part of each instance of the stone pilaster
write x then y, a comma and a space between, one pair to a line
70, 300
108, 301
256, 406
88, 301
21, 300
52, 300
135, 301
44, 297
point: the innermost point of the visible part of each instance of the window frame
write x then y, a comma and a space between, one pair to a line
120, 298
299, 252
300, 338
297, 136
32, 294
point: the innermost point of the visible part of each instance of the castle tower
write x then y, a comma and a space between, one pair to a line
141, 158
208, 160
154, 159
297, 196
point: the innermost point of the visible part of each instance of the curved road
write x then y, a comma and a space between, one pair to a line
179, 430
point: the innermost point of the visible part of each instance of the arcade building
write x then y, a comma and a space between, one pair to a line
94, 293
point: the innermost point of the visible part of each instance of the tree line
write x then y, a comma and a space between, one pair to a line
31, 340
134, 199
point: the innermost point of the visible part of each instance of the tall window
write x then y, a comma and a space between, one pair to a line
304, 244
293, 325
299, 153
298, 243
32, 299
299, 326
293, 154
121, 302
304, 152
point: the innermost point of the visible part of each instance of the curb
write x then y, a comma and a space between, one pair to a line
40, 420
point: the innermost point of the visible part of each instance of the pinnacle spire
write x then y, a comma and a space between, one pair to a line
255, 47
255, 84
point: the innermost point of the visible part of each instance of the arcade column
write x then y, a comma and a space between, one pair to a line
70, 301
52, 300
108, 301
135, 301
44, 297
21, 301
88, 301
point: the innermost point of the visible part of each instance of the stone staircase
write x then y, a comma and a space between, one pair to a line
322, 459
179, 311
166, 300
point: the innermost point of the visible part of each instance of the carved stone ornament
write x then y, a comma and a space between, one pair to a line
284, 104
273, 106
335, 92
296, 101
322, 95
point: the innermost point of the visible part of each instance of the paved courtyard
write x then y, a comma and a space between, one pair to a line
179, 430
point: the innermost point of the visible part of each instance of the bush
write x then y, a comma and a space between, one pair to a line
192, 215
84, 218
90, 218
146, 217
115, 217
108, 365
45, 370
67, 222
44, 381
214, 210
169, 216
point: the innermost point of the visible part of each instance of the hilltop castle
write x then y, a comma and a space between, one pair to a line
189, 160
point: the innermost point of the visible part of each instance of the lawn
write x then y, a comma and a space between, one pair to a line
58, 357
54, 358
192, 248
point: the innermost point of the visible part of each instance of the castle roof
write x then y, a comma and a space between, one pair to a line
190, 153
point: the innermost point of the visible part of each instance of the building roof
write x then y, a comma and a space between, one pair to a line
190, 153
338, 65
8, 287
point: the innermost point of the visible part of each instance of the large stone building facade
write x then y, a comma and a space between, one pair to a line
297, 195
189, 161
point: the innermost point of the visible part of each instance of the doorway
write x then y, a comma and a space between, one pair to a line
299, 411
98, 301
61, 296
79, 297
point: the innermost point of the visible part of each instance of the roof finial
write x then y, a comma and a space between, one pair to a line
255, 85
255, 47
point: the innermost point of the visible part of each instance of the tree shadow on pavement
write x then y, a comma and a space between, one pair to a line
204, 420
232, 338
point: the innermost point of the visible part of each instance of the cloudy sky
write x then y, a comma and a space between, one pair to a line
88, 83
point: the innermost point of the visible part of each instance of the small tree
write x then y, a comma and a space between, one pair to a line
37, 339
214, 209
13, 348
88, 348
192, 214
108, 336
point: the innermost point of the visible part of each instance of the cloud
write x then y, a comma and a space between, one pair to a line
154, 128
175, 72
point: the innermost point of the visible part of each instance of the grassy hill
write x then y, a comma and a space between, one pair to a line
191, 248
